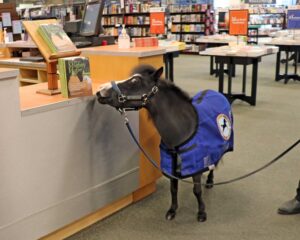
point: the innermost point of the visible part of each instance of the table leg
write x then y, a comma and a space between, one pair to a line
211, 65
277, 66
230, 70
166, 59
233, 70
286, 78
171, 68
244, 78
296, 62
221, 77
254, 82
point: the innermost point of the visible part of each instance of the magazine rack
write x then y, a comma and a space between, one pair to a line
51, 59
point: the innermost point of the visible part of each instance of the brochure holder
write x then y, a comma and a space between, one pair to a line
51, 58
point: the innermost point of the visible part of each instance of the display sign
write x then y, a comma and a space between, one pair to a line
238, 22
157, 21
17, 26
260, 1
6, 19
293, 19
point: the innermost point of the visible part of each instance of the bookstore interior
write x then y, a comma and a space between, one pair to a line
60, 177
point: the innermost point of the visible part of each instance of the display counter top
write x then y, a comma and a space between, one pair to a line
32, 102
18, 63
240, 51
284, 41
113, 50
6, 73
217, 39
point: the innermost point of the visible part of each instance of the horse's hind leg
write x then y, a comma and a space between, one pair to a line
210, 179
201, 217
174, 189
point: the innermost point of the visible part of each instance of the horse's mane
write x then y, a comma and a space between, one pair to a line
163, 85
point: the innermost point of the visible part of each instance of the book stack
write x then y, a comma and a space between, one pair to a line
146, 42
56, 38
74, 74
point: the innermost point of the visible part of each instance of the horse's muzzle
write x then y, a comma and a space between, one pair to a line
101, 99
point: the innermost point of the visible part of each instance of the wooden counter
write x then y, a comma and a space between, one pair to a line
109, 63
66, 164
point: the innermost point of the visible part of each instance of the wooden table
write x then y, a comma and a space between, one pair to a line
287, 46
225, 55
212, 42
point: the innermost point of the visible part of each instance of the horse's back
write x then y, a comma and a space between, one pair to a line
211, 140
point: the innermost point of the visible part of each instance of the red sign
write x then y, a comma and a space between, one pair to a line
157, 22
238, 22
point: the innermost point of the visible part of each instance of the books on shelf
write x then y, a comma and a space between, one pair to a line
75, 79
56, 38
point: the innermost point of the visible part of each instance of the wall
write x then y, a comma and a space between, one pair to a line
59, 165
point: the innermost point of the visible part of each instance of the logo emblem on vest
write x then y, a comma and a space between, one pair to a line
224, 126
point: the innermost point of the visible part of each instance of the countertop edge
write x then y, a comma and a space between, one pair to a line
124, 54
8, 73
54, 106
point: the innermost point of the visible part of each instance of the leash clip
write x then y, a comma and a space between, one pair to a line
123, 113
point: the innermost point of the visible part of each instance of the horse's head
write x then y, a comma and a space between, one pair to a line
133, 92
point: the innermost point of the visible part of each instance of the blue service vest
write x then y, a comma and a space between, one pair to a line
212, 138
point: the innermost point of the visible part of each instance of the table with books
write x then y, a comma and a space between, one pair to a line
216, 40
286, 44
239, 55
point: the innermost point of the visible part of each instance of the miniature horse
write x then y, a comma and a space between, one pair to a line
186, 133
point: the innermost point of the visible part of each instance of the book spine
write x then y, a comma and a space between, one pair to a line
62, 77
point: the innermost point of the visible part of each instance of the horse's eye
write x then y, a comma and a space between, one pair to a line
134, 80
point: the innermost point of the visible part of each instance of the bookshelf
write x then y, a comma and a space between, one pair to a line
136, 18
263, 20
189, 22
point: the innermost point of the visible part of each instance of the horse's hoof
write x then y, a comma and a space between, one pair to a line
170, 215
209, 185
201, 217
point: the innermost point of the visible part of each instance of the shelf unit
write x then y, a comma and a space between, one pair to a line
267, 22
189, 22
262, 21
136, 18
29, 72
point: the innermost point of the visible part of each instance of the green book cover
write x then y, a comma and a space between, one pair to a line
56, 38
75, 77
46, 39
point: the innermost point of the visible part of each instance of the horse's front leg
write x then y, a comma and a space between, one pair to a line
210, 179
201, 217
171, 213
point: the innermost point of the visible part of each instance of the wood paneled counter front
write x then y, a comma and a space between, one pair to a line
111, 63
71, 162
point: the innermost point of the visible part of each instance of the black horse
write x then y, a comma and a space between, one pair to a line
187, 134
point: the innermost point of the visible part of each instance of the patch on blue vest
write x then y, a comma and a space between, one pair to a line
213, 138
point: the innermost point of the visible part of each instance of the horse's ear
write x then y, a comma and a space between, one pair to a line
156, 75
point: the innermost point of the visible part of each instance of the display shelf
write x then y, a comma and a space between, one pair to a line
190, 22
136, 18
202, 22
188, 32
29, 72
175, 13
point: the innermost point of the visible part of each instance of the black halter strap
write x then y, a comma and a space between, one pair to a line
144, 98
